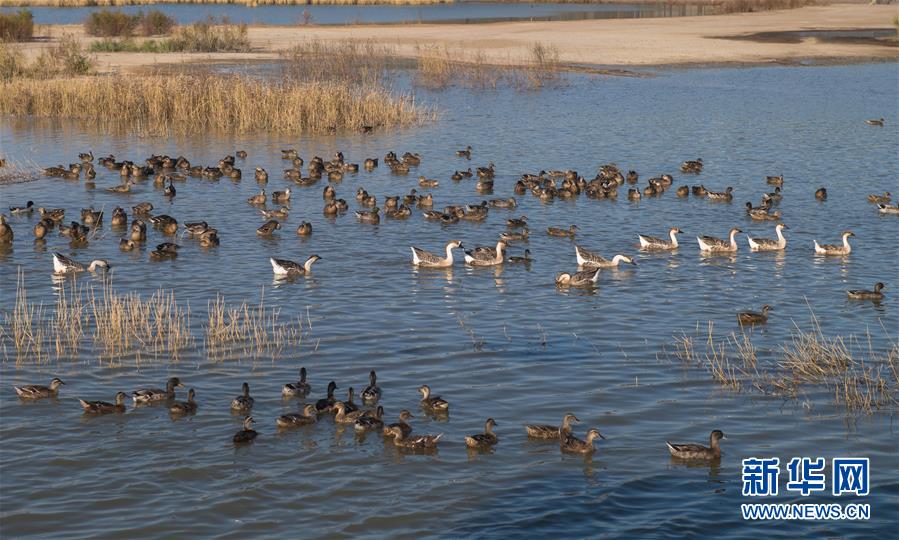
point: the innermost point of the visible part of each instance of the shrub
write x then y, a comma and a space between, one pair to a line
17, 26
156, 23
108, 23
209, 37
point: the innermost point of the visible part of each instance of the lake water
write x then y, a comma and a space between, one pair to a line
502, 343
457, 12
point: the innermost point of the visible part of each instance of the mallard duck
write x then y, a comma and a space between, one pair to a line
372, 393
775, 180
692, 166
584, 280
651, 243
761, 213
307, 417
569, 233
593, 260
876, 199
751, 317
258, 199
324, 405
710, 244
36, 391
169, 190
526, 259
698, 451
27, 209
483, 440
243, 402
503, 203
859, 294
278, 213
427, 259
247, 434
517, 223
165, 223
370, 163
65, 265
831, 249
485, 256
121, 188
427, 182
299, 388
283, 267
281, 196
515, 236
464, 153
726, 195
546, 431
432, 403
682, 191
138, 230
185, 407
403, 212
370, 422
261, 175
570, 443
149, 395
369, 216
103, 407
165, 251
418, 442
887, 209
343, 416
268, 228
402, 424
6, 232
55, 214
773, 197
767, 244
875, 122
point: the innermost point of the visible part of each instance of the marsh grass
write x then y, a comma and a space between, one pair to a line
18, 26
65, 59
354, 62
243, 330
440, 67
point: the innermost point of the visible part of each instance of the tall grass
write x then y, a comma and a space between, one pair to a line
17, 26
350, 62
65, 59
244, 330
440, 68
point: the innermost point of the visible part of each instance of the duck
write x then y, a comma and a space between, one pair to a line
103, 407
369, 216
767, 244
91, 217
372, 393
699, 191
37, 391
775, 180
142, 208
773, 197
278, 213
710, 244
185, 407
569, 233
484, 440
485, 256
726, 195
304, 229
165, 223
859, 294
55, 214
299, 388
305, 418
243, 402
247, 434
119, 217
504, 203
427, 259
887, 209
698, 451
169, 190
509, 236
427, 182
584, 280
209, 238
6, 232
18, 210
121, 188
138, 230
547, 431
593, 260
751, 317
875, 122
464, 153
324, 405
831, 249
149, 395
261, 175
258, 199
402, 423
876, 199
344, 416
283, 267
432, 403
281, 196
570, 443
268, 228
371, 421
370, 163
41, 228
165, 251
651, 243
682, 191
86, 156
65, 265
761, 213
526, 259
196, 227
418, 442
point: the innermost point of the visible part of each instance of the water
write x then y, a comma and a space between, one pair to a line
457, 12
477, 335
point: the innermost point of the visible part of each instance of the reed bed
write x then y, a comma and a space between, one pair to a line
439, 68
244, 330
17, 26
354, 62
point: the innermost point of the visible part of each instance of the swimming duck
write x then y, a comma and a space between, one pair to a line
247, 434
369, 216
526, 259
572, 444
370, 163
483, 440
710, 244
149, 395
65, 265
427, 259
6, 232
169, 190
585, 280
464, 153
726, 195
119, 217
876, 122
283, 267
371, 421
165, 223
121, 188
403, 212
27, 209
185, 407
514, 223
658, 244
299, 388
682, 191
86, 156
91, 217
304, 229
55, 214
243, 402
885, 198
569, 233
279, 213
751, 317
324, 405
165, 251
268, 228
773, 197
767, 244
876, 294
343, 416
138, 230
887, 209
258, 199
698, 451
485, 256
418, 442
775, 180
37, 391
103, 407
41, 228
692, 166
546, 431
261, 175
830, 249
209, 238
307, 417
281, 196
427, 182
372, 393
432, 403
699, 191
593, 260
196, 227
515, 236
761, 213
289, 154
402, 424
142, 208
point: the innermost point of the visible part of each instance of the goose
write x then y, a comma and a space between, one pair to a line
547, 431
418, 442
37, 391
427, 259
485, 256
185, 407
371, 421
876, 199
103, 407
875, 122
65, 265
281, 196
243, 402
831, 249
526, 259
593, 260
247, 434
402, 424
149, 395
572, 444
751, 317
859, 294
372, 393
653, 243
27, 209
887, 209
484, 440
307, 417
268, 228
585, 280
698, 451
464, 153
710, 244
726, 195
283, 267
432, 403
767, 244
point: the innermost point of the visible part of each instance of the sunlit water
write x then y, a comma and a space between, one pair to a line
504, 343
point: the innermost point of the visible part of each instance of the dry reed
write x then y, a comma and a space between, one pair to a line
439, 68
242, 330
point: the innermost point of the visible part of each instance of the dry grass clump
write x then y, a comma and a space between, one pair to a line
350, 62
245, 330
65, 59
439, 68
17, 26
195, 104
109, 23
209, 36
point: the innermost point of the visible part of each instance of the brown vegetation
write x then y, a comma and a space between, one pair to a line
17, 26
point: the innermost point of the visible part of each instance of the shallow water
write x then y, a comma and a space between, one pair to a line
503, 343
458, 12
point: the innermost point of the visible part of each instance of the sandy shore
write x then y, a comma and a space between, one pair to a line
622, 43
